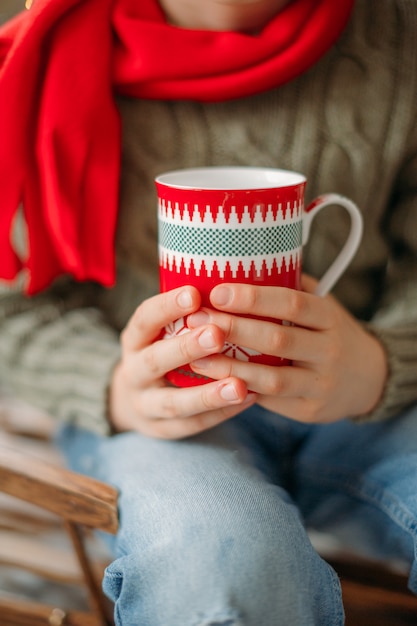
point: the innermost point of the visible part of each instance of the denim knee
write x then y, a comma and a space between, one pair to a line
204, 538
240, 560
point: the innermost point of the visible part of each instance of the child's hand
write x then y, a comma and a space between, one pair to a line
140, 397
338, 369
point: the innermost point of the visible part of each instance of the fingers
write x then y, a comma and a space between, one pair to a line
284, 381
180, 428
154, 361
140, 397
155, 313
174, 413
288, 342
171, 403
298, 307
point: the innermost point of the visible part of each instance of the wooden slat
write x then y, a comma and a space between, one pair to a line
39, 557
38, 448
72, 496
39, 494
15, 514
16, 611
97, 600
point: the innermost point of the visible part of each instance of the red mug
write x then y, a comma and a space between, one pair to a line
239, 225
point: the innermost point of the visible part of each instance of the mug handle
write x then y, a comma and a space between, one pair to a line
348, 251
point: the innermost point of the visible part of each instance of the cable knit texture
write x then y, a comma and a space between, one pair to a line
349, 124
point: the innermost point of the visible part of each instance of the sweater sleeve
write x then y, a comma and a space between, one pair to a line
57, 352
395, 322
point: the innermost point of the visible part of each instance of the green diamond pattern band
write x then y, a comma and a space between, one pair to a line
246, 242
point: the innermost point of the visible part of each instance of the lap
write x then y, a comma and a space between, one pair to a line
217, 473
372, 461
204, 509
354, 480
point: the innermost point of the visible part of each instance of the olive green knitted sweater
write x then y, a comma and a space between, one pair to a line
349, 124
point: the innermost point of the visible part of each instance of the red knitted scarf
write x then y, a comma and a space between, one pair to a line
61, 63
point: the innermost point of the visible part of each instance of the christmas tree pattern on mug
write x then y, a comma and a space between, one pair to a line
211, 241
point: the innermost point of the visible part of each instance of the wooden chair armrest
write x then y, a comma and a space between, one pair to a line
69, 495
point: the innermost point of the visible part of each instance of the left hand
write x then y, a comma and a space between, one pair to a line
338, 369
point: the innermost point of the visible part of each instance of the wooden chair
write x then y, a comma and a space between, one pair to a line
47, 514
374, 594
30, 470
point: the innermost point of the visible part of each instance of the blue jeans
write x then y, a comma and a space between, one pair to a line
213, 528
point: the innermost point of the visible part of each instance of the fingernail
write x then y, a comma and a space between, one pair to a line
201, 364
207, 340
200, 318
221, 296
228, 392
184, 299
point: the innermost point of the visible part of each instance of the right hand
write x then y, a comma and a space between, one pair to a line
142, 399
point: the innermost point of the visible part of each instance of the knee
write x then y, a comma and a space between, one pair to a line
240, 559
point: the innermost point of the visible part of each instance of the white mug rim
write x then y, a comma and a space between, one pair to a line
278, 178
